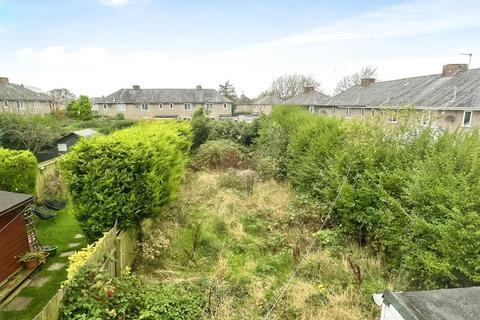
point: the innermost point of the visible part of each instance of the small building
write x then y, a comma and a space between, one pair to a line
137, 103
15, 98
14, 238
447, 100
312, 100
64, 144
443, 304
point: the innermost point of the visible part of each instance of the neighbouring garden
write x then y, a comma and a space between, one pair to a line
227, 211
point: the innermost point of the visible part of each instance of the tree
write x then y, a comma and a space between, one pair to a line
200, 128
62, 95
355, 79
228, 90
290, 85
80, 109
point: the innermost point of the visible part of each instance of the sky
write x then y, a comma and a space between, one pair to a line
95, 47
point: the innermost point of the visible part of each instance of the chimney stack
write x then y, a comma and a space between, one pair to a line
308, 89
4, 80
367, 81
199, 87
136, 87
450, 69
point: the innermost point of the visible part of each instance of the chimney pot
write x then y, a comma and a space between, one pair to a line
450, 69
308, 89
199, 87
4, 80
367, 81
136, 87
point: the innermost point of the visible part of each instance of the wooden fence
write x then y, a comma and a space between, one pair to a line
116, 251
47, 171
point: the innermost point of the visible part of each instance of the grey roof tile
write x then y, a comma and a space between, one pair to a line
269, 100
14, 91
312, 98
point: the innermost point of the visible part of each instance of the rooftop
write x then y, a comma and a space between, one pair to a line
12, 91
269, 100
309, 98
9, 200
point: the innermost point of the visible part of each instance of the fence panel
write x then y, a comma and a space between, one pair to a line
47, 170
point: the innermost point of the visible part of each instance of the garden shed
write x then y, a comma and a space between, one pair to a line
14, 235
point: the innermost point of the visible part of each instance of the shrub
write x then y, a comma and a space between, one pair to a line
18, 171
80, 109
126, 176
154, 245
239, 132
219, 154
200, 128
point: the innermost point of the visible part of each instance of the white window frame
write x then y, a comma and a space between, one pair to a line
160, 106
362, 112
121, 107
6, 103
347, 113
311, 109
469, 124
392, 117
20, 105
224, 106
426, 115
187, 106
104, 106
171, 105
144, 107
36, 104
208, 106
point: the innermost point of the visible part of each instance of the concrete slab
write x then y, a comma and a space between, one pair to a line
67, 254
73, 245
78, 236
37, 282
56, 266
18, 304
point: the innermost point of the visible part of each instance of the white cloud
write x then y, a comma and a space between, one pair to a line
115, 3
387, 38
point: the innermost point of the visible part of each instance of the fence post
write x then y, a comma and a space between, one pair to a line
118, 256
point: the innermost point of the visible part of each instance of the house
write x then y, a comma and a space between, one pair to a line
14, 236
64, 144
15, 98
259, 106
137, 103
447, 100
312, 100
443, 304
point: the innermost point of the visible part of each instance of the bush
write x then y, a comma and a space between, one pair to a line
126, 176
239, 132
200, 128
18, 171
219, 154
80, 109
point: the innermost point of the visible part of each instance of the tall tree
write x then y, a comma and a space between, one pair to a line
62, 95
228, 90
355, 79
290, 85
80, 109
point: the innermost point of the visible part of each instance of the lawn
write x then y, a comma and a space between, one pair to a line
60, 232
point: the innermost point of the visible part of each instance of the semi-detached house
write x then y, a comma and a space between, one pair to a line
137, 103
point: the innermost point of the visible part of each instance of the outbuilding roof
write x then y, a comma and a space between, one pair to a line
269, 100
12, 91
87, 133
443, 304
461, 90
9, 200
166, 96
311, 98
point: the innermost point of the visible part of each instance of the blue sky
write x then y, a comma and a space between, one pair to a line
96, 46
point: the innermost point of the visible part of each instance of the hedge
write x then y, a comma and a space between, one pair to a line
18, 171
126, 176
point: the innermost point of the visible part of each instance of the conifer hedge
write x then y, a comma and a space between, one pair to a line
126, 176
18, 171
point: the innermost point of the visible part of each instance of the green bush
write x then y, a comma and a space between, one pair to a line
80, 109
219, 154
200, 128
18, 171
239, 132
126, 176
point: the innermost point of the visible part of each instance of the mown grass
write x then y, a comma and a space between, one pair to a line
245, 246
60, 232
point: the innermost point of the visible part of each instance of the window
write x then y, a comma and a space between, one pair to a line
104, 106
311, 109
347, 113
426, 119
171, 105
160, 106
121, 107
20, 105
187, 106
144, 106
362, 112
224, 106
467, 118
209, 106
36, 104
95, 107
392, 116
5, 103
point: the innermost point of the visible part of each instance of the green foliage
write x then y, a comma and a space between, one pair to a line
126, 176
200, 128
18, 171
239, 132
24, 132
408, 193
80, 109
227, 90
219, 154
